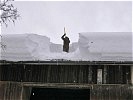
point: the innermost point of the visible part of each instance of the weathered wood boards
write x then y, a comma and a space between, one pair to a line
18, 79
111, 74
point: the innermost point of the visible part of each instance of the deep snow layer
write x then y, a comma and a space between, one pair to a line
106, 45
24, 46
92, 46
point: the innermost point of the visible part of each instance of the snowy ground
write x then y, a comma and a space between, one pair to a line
91, 47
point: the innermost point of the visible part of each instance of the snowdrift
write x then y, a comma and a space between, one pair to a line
31, 47
106, 46
92, 46
22, 47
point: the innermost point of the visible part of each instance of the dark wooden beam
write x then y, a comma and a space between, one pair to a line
68, 62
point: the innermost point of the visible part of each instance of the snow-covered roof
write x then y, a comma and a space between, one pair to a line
106, 45
92, 46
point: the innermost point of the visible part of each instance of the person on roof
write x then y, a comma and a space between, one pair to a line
66, 42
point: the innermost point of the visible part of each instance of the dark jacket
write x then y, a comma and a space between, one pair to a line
66, 42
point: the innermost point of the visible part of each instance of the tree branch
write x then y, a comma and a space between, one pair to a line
8, 12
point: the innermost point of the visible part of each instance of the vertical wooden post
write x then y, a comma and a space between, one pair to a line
105, 74
21, 95
90, 74
131, 74
0, 73
48, 75
99, 76
120, 75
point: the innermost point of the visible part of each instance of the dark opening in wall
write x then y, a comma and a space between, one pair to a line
59, 94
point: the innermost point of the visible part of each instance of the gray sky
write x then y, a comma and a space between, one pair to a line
49, 18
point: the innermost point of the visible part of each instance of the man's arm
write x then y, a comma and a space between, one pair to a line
68, 40
63, 37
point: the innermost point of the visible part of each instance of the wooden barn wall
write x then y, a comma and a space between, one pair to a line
112, 92
18, 91
10, 91
26, 93
112, 74
105, 92
99, 92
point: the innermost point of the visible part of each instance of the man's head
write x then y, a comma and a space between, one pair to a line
66, 37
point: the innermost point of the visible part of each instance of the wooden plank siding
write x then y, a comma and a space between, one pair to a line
112, 74
10, 91
22, 90
18, 78
112, 92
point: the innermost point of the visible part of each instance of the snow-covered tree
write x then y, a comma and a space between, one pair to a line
7, 12
3, 46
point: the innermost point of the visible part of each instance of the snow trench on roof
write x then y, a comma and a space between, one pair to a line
91, 46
